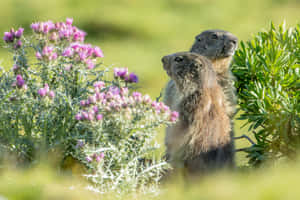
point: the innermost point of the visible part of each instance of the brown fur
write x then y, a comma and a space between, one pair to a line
204, 125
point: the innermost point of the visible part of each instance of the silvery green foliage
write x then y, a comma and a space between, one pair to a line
268, 83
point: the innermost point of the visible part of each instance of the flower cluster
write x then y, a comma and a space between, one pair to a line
83, 53
95, 157
20, 82
118, 100
123, 74
59, 31
47, 53
43, 92
12, 35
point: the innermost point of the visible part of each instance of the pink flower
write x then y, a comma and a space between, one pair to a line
20, 82
146, 99
18, 44
99, 84
19, 32
90, 64
137, 96
51, 94
120, 72
35, 27
82, 103
69, 21
99, 117
8, 37
98, 52
92, 99
89, 159
46, 87
38, 55
174, 116
67, 52
99, 157
53, 56
53, 36
133, 78
78, 117
96, 109
42, 92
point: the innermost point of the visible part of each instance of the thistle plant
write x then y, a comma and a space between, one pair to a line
56, 98
267, 71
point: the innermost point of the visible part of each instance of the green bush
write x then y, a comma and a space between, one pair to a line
268, 87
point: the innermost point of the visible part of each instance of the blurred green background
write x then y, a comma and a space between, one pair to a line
137, 33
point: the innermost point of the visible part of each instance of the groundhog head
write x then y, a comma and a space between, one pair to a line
215, 44
190, 71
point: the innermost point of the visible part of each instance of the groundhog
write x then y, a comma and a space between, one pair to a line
218, 46
200, 140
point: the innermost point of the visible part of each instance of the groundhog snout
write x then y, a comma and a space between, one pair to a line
232, 43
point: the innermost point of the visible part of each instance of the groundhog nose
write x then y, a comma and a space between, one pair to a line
233, 41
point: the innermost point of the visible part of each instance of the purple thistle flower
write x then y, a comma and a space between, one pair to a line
133, 78
99, 84
18, 44
90, 116
174, 116
20, 81
114, 90
90, 64
137, 96
47, 50
124, 91
69, 21
146, 99
92, 99
78, 117
38, 55
19, 32
35, 27
98, 52
53, 36
53, 56
96, 109
99, 117
67, 52
42, 92
85, 115
8, 37
82, 55
99, 157
46, 87
51, 94
82, 103
89, 159
19, 77
120, 72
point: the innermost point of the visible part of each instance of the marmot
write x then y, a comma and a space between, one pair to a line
218, 46
201, 139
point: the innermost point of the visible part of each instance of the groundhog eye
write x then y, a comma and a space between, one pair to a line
178, 59
214, 36
198, 39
